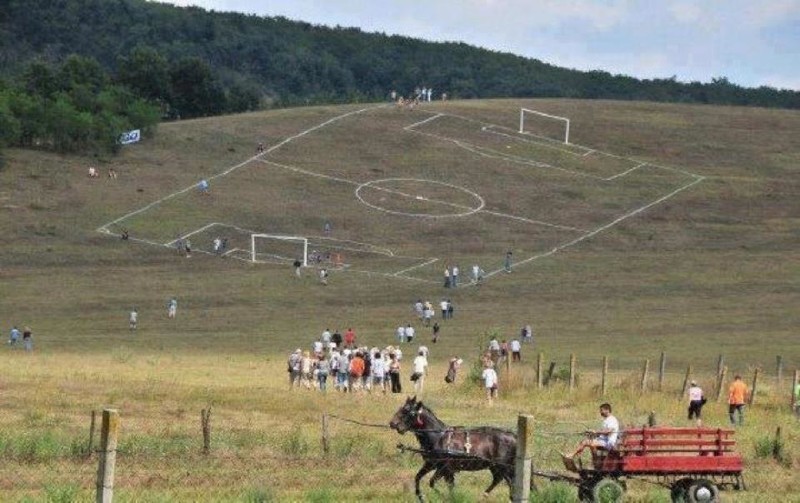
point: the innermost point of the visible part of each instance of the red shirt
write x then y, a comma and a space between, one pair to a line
349, 336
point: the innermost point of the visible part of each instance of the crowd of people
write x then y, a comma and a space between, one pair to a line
337, 361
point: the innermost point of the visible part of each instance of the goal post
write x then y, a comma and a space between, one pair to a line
278, 248
564, 120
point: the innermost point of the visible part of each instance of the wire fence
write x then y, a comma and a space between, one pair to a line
218, 453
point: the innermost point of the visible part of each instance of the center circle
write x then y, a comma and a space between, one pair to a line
476, 201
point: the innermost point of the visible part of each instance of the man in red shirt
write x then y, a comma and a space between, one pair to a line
350, 339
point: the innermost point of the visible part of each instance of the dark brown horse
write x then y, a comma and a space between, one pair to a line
450, 449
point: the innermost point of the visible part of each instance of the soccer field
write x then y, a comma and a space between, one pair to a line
405, 195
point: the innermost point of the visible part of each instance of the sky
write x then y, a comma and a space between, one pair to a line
751, 42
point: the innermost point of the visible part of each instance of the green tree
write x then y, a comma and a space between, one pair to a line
146, 72
195, 91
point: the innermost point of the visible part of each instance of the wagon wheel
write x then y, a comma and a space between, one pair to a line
608, 490
702, 491
679, 490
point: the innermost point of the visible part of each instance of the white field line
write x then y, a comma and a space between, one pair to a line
531, 221
201, 229
431, 261
602, 228
132, 238
588, 152
411, 126
237, 166
491, 129
641, 164
232, 250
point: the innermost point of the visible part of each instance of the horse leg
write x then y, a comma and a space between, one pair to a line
444, 472
427, 467
497, 477
450, 477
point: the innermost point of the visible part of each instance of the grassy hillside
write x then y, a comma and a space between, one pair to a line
692, 269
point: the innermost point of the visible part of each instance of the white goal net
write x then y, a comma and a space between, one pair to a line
277, 248
544, 125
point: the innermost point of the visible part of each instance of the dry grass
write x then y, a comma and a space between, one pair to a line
710, 271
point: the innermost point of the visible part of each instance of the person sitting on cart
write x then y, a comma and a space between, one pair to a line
604, 439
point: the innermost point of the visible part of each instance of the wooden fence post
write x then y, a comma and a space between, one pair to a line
645, 371
549, 375
92, 427
604, 379
572, 371
686, 379
720, 365
205, 424
721, 382
779, 370
651, 419
325, 444
109, 433
522, 472
662, 369
753, 389
795, 382
539, 376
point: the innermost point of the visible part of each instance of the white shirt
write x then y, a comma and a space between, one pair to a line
494, 345
610, 423
134, 316
398, 355
420, 363
410, 332
489, 377
378, 367
695, 394
317, 347
476, 271
443, 304
455, 271
326, 336
401, 333
424, 351
515, 346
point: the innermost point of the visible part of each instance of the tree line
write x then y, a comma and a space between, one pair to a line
188, 62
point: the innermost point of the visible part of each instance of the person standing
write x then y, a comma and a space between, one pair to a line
350, 339
447, 277
297, 265
489, 377
323, 276
357, 367
477, 274
696, 402
420, 365
187, 247
507, 262
452, 369
293, 367
323, 369
454, 277
450, 309
400, 334
27, 339
443, 305
737, 394
419, 309
336, 339
527, 335
436, 329
306, 369
394, 373
410, 332
133, 320
343, 374
326, 338
172, 308
13, 336
516, 350
378, 371
428, 314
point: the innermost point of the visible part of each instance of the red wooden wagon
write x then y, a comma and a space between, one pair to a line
694, 463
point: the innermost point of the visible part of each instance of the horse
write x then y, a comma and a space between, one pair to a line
450, 449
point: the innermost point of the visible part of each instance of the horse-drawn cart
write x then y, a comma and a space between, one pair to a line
694, 463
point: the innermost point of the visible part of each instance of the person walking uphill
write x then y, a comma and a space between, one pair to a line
696, 402
737, 394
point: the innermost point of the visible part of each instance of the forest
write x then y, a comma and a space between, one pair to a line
77, 72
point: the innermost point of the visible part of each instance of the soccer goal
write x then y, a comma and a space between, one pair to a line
545, 125
278, 248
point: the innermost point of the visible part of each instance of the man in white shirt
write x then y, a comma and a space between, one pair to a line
489, 377
516, 350
696, 402
603, 439
420, 366
410, 332
401, 334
